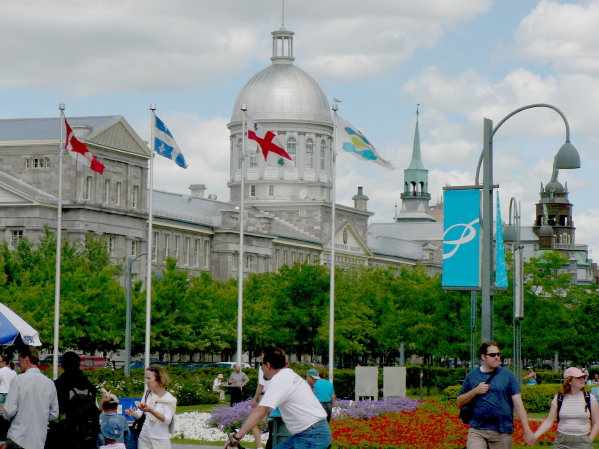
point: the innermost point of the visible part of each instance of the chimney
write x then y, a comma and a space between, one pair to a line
197, 190
360, 200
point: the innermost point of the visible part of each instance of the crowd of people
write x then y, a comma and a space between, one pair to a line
38, 413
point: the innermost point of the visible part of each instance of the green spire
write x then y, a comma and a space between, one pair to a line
416, 163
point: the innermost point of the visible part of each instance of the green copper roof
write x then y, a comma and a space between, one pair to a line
416, 163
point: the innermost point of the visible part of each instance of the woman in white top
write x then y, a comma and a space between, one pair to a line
577, 425
159, 407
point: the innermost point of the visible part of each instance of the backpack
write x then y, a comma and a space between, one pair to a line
82, 420
587, 402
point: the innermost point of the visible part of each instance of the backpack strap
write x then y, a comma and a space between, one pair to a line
587, 401
560, 401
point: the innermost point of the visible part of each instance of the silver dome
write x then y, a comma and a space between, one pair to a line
283, 92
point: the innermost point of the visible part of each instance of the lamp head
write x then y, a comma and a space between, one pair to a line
509, 233
567, 157
158, 275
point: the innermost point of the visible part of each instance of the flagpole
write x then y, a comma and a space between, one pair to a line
240, 261
61, 107
150, 236
332, 281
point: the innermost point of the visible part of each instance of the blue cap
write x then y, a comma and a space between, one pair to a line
112, 428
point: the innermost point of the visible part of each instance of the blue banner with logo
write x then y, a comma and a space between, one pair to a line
461, 239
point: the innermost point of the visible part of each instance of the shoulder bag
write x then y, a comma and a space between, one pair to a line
467, 410
139, 422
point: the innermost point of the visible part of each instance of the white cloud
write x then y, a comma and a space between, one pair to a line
562, 34
85, 47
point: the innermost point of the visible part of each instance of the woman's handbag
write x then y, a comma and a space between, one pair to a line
139, 422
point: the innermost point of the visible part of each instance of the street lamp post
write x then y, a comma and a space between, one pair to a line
157, 275
566, 158
513, 233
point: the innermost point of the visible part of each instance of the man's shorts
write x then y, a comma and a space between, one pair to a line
488, 439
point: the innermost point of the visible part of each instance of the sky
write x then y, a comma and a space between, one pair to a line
460, 60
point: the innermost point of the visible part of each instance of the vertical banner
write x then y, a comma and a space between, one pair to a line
500, 265
461, 239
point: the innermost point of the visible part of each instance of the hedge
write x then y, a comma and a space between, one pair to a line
195, 387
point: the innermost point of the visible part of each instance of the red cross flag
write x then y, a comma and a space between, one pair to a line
76, 149
272, 148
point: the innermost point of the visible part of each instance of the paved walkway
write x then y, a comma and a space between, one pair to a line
194, 446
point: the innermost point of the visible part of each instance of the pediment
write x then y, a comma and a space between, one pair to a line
348, 241
13, 191
121, 136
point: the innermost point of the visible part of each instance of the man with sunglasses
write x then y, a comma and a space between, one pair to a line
302, 414
495, 393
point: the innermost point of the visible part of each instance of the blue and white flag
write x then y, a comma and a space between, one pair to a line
461, 239
352, 140
500, 265
165, 145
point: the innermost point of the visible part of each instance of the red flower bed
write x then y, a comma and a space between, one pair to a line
432, 426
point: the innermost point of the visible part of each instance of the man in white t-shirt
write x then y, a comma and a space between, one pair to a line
302, 414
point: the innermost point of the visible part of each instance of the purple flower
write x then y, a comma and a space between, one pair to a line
226, 417
367, 409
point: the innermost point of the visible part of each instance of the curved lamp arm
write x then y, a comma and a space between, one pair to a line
511, 114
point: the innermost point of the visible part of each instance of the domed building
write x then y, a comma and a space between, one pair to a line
287, 209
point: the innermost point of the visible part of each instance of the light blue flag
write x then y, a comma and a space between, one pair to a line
500, 265
461, 239
352, 140
165, 145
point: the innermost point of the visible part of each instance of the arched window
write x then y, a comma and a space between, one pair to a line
323, 154
239, 153
292, 147
309, 153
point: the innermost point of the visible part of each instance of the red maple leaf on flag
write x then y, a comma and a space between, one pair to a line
75, 147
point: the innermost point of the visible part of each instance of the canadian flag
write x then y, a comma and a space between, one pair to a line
76, 148
272, 148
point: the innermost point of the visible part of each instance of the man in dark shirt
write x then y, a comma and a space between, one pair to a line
492, 421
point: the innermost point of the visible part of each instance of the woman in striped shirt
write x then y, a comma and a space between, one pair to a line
576, 412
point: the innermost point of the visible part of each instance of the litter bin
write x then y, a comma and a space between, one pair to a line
126, 403
279, 430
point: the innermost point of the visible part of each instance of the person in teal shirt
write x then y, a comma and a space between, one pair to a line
323, 389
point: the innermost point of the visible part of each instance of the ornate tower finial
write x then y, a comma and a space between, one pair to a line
283, 15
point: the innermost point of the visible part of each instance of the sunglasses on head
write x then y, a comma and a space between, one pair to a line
493, 354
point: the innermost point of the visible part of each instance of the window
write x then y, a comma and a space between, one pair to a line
186, 248
47, 162
39, 162
197, 251
27, 162
277, 257
271, 190
87, 188
176, 248
106, 190
15, 237
117, 193
135, 197
248, 261
323, 155
253, 160
309, 153
154, 247
252, 191
207, 254
292, 147
110, 244
239, 153
284, 257
134, 248
166, 249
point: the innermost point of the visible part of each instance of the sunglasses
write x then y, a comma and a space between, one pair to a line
493, 354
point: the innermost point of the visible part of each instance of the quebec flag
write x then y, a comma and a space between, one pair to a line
165, 145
